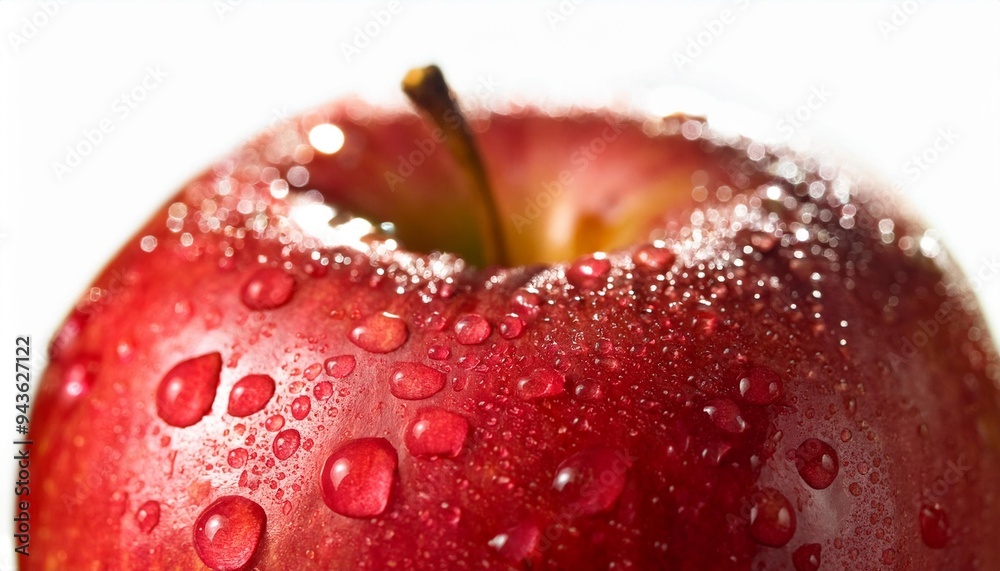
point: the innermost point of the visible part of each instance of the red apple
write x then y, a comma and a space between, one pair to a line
651, 346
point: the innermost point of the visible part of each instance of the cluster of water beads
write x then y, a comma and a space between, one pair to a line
358, 476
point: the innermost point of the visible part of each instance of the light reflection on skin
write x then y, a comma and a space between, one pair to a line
314, 219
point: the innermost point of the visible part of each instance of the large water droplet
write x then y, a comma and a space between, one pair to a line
227, 533
186, 392
511, 327
726, 415
301, 407
357, 478
935, 529
380, 333
760, 385
590, 481
237, 457
323, 390
286, 443
148, 515
817, 463
518, 542
589, 389
274, 423
340, 366
525, 303
415, 381
438, 352
268, 288
772, 518
436, 432
250, 394
589, 272
312, 371
542, 382
653, 258
807, 557
472, 329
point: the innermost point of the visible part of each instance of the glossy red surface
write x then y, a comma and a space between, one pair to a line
651, 408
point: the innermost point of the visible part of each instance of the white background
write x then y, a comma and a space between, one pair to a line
896, 73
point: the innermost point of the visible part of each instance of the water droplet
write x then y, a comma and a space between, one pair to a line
525, 303
472, 329
125, 349
301, 407
438, 352
323, 390
285, 444
807, 557
380, 333
250, 394
760, 385
237, 457
726, 415
148, 515
357, 478
268, 288
228, 532
118, 503
433, 322
274, 423
518, 542
588, 389
340, 366
652, 258
589, 272
715, 452
79, 376
186, 392
772, 518
511, 327
817, 463
542, 382
312, 371
590, 481
935, 529
415, 381
604, 346
436, 432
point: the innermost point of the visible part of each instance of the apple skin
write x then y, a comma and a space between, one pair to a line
667, 406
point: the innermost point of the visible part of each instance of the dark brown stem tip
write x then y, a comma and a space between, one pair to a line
426, 87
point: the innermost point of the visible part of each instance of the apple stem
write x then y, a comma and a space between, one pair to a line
428, 90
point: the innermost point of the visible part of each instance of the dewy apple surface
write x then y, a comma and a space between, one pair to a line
720, 369
924, 92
